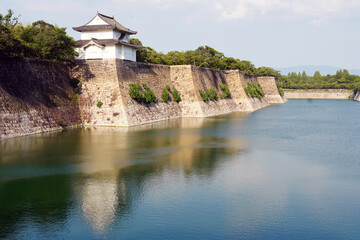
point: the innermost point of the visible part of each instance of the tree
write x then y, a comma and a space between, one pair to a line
46, 41
10, 47
317, 76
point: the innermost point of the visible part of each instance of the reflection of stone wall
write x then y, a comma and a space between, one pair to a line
34, 95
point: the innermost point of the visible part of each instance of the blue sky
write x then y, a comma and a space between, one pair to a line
275, 33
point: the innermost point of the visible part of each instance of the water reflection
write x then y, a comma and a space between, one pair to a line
102, 173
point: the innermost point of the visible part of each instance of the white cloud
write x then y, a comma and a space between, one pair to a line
228, 10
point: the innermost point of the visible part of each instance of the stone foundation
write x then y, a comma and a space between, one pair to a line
36, 96
319, 94
107, 81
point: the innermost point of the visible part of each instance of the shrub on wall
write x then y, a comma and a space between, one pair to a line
74, 82
176, 95
203, 95
149, 96
99, 104
208, 94
280, 90
165, 95
61, 123
135, 92
226, 91
254, 90
211, 93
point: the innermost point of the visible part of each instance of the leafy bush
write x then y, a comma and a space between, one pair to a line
203, 95
208, 94
211, 93
280, 90
135, 92
74, 82
61, 123
176, 95
226, 91
254, 90
149, 96
99, 104
165, 95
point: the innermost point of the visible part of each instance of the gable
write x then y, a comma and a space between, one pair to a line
93, 44
97, 21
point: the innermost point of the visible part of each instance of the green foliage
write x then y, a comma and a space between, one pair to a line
341, 80
211, 93
99, 104
176, 95
149, 96
226, 91
135, 92
10, 47
39, 40
267, 71
203, 95
74, 82
135, 41
254, 90
208, 94
280, 90
203, 56
61, 123
165, 95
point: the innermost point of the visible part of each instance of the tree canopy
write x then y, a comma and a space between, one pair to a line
203, 56
39, 40
341, 80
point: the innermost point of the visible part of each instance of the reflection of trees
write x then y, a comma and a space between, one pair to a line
34, 201
116, 164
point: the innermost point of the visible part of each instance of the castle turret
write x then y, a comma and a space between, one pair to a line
105, 38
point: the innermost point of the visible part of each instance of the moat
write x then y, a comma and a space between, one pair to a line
289, 171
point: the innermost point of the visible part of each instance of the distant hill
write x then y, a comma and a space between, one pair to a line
311, 69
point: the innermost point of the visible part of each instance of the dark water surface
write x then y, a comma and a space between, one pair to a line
289, 171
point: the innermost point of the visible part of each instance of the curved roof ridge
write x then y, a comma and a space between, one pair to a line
112, 21
109, 20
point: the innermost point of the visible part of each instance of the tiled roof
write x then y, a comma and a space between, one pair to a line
113, 24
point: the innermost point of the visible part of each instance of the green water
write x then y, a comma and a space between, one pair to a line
289, 171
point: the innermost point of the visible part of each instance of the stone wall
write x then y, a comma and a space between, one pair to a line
319, 94
270, 89
356, 96
107, 81
34, 97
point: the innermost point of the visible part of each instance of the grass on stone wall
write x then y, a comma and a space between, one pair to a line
254, 90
